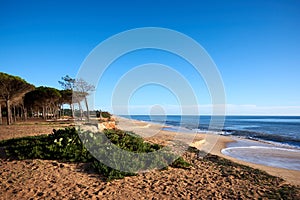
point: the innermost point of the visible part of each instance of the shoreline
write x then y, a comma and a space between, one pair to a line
153, 132
264, 153
209, 177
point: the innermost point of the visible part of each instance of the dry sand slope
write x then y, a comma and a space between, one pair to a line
40, 179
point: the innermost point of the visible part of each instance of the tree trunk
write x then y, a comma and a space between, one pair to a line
80, 110
52, 110
60, 112
8, 112
44, 113
0, 114
14, 114
72, 110
25, 113
32, 113
21, 114
87, 109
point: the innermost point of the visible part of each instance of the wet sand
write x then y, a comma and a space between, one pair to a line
264, 154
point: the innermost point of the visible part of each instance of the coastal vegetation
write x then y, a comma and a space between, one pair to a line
67, 146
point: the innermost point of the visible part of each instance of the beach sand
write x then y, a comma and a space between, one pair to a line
205, 179
218, 143
31, 128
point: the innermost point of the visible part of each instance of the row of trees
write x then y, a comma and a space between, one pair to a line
12, 89
44, 100
20, 100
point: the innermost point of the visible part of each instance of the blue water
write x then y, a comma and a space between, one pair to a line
278, 129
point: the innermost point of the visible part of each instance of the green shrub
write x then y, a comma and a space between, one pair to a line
73, 146
180, 163
105, 114
63, 145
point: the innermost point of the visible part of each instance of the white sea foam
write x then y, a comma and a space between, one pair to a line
272, 120
262, 148
241, 127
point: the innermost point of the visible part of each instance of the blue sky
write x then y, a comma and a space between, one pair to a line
255, 45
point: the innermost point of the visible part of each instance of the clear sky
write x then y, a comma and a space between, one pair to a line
255, 45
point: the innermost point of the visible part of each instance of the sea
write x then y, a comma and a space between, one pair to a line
270, 140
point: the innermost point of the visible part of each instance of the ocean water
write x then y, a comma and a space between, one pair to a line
283, 130
268, 140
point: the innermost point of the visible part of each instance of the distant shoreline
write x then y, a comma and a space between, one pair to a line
278, 130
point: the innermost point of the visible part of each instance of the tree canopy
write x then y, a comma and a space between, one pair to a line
80, 89
46, 98
19, 98
12, 89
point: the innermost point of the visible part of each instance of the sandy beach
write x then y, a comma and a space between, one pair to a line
198, 140
205, 179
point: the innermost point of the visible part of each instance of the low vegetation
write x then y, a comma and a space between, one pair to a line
105, 114
70, 145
